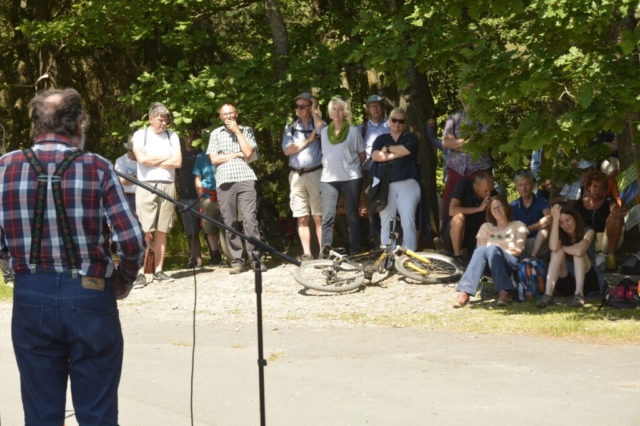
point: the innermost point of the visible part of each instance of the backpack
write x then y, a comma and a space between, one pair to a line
624, 295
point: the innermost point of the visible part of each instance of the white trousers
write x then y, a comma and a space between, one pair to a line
404, 197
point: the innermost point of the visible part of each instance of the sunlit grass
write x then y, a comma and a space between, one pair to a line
559, 321
6, 292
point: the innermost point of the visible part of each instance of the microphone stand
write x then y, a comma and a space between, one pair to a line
260, 247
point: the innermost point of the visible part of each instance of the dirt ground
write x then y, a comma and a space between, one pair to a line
322, 369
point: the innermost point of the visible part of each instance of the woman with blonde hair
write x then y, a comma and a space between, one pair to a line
343, 151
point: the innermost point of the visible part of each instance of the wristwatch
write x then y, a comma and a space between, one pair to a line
387, 146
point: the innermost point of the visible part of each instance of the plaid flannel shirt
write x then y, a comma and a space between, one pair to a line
93, 198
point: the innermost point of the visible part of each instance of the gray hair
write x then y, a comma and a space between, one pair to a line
340, 103
523, 174
57, 111
159, 110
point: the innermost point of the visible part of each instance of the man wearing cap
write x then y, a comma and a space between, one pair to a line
301, 143
370, 129
127, 164
158, 154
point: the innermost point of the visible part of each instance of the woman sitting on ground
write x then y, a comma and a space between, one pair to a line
400, 151
500, 242
603, 215
572, 266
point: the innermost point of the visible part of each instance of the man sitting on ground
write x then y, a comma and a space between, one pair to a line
469, 201
534, 212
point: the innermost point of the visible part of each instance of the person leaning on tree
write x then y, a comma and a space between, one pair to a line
158, 154
301, 143
60, 208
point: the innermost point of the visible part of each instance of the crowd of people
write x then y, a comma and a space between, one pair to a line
64, 209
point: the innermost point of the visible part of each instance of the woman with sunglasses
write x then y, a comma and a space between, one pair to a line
602, 214
500, 242
573, 257
399, 149
343, 152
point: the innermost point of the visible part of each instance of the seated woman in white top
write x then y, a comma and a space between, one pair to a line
500, 244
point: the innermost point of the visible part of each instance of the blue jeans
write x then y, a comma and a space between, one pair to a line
61, 330
500, 263
331, 191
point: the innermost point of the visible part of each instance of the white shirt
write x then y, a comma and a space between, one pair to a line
341, 162
166, 142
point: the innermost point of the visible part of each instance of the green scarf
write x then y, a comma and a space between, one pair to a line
331, 132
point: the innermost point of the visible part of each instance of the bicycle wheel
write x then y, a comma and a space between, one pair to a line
323, 275
437, 270
368, 261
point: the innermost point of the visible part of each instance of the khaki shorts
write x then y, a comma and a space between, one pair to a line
602, 242
210, 209
155, 213
305, 193
544, 252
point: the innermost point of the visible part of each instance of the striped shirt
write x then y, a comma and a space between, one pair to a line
223, 142
341, 162
93, 198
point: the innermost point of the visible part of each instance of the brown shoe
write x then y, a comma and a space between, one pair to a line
462, 300
504, 298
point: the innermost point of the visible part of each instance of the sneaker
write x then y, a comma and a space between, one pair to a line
305, 257
161, 277
611, 262
237, 268
263, 267
9, 283
578, 301
462, 260
216, 259
545, 301
140, 282
504, 298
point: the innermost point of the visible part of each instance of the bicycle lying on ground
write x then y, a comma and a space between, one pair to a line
338, 273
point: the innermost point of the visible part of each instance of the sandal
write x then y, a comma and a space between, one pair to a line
545, 301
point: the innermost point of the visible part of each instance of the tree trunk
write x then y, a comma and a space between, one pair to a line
417, 100
280, 38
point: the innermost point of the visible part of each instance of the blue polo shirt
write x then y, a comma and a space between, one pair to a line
206, 171
530, 215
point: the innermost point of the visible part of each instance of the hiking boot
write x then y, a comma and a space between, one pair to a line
611, 262
578, 301
140, 282
545, 301
216, 259
161, 277
504, 298
462, 300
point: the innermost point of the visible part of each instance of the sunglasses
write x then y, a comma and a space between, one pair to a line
398, 120
298, 106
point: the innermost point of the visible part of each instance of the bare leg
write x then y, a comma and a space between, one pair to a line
304, 233
541, 239
582, 266
318, 220
457, 227
159, 248
148, 238
557, 268
214, 241
613, 230
194, 243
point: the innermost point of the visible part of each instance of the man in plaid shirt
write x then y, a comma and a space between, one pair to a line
231, 148
60, 208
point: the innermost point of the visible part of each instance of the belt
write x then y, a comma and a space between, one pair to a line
303, 171
155, 182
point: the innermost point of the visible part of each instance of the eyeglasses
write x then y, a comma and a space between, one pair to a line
227, 114
398, 120
298, 106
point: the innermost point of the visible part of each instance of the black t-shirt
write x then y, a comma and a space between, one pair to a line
596, 219
464, 192
186, 180
402, 168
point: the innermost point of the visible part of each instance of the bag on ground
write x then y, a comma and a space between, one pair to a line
623, 296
